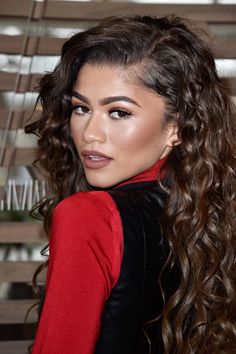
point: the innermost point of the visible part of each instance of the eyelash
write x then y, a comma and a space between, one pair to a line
74, 108
125, 112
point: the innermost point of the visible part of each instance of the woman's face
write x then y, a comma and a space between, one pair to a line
116, 125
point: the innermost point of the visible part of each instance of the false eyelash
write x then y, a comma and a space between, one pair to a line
74, 107
121, 109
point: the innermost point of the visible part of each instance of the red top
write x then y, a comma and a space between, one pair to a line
85, 258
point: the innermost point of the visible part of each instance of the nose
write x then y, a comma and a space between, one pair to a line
94, 130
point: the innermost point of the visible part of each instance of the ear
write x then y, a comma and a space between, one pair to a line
172, 135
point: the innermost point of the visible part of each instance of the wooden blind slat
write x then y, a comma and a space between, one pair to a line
19, 118
11, 44
96, 10
14, 311
19, 156
19, 271
225, 48
14, 347
28, 232
231, 83
26, 83
15, 8
45, 45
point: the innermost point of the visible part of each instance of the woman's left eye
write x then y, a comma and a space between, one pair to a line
119, 113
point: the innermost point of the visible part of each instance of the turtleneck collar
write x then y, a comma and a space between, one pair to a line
153, 173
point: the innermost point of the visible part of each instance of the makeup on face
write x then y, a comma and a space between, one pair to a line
116, 125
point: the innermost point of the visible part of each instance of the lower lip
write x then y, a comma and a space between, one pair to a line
95, 164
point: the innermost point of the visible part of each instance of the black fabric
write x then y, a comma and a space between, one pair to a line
136, 297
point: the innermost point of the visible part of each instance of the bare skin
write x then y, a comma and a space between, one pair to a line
116, 125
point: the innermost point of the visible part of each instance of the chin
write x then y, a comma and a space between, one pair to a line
94, 182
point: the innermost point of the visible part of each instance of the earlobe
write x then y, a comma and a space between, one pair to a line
173, 139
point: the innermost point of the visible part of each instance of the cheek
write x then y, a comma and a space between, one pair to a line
137, 137
122, 136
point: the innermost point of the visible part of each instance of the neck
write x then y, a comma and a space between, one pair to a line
153, 173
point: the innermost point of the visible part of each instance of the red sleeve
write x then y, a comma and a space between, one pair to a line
84, 265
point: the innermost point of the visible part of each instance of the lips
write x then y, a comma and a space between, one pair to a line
94, 159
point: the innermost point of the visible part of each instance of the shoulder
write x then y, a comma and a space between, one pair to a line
86, 227
96, 202
87, 216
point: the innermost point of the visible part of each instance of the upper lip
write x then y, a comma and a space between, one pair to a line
85, 153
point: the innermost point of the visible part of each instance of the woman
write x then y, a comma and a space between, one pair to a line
137, 139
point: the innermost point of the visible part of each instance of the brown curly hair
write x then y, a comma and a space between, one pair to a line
171, 59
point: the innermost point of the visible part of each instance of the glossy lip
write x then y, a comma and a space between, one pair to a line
94, 164
86, 153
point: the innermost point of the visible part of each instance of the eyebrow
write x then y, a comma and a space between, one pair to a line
80, 97
106, 100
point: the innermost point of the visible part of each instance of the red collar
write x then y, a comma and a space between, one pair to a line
153, 173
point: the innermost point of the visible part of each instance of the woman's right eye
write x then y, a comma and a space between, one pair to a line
80, 109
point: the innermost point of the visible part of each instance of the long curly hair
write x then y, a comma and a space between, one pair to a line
169, 57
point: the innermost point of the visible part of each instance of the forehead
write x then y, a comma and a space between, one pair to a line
111, 77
